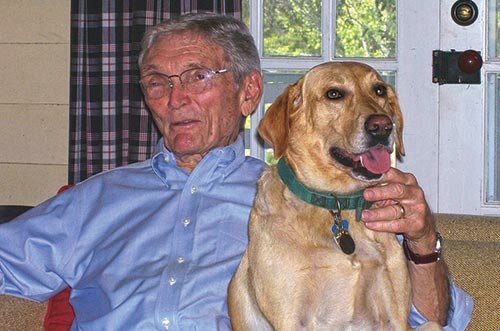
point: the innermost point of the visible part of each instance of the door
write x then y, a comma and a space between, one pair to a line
468, 135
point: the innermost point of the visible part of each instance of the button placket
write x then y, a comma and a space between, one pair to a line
175, 273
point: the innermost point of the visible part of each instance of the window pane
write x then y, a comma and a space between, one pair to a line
366, 28
292, 28
275, 82
389, 77
245, 12
493, 139
493, 28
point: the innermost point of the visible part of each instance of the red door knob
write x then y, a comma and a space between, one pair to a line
470, 61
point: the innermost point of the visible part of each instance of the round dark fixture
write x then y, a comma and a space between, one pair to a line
464, 12
470, 61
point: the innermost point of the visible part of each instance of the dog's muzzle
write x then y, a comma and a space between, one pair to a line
376, 160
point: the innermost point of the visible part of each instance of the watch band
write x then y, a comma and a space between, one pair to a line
424, 259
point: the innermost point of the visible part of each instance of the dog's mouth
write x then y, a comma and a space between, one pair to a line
369, 165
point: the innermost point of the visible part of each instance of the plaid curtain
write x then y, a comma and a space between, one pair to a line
109, 123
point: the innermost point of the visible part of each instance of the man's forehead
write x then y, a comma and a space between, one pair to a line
183, 39
190, 45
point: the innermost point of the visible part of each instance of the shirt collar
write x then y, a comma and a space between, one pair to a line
228, 158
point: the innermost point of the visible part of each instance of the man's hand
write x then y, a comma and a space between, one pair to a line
400, 207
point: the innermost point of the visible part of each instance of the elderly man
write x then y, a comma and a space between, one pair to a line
153, 245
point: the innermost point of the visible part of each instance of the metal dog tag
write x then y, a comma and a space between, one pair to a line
341, 234
346, 243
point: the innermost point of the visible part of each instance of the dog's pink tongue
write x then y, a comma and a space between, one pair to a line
377, 160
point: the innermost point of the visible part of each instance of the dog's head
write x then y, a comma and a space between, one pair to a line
336, 127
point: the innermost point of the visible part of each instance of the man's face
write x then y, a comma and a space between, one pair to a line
193, 124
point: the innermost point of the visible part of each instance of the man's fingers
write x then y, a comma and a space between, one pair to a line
397, 176
392, 191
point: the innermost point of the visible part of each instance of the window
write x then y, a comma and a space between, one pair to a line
294, 35
492, 121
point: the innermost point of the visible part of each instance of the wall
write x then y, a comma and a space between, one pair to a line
34, 94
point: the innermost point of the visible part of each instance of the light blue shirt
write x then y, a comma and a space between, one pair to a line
146, 246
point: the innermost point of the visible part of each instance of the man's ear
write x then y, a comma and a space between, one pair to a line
251, 92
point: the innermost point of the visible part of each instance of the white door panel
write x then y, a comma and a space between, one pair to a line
445, 130
417, 38
461, 123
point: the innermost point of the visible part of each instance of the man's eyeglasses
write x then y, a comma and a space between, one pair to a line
197, 80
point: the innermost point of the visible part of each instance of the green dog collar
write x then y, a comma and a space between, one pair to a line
325, 200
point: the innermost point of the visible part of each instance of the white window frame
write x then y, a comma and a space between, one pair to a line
328, 26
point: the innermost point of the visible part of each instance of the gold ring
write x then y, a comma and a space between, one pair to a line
402, 209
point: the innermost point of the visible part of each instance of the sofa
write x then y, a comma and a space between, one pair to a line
471, 249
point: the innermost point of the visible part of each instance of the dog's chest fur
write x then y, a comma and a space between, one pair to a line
295, 259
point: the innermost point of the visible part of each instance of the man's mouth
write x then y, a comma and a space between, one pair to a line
185, 122
368, 165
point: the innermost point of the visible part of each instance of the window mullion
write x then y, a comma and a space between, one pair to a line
328, 18
257, 29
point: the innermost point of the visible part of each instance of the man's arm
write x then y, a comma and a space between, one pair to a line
430, 284
400, 207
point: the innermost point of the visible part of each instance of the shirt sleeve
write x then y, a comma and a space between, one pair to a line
34, 247
459, 313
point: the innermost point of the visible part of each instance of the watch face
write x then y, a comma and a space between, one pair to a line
439, 242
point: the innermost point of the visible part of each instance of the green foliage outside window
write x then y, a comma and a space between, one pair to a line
364, 28
292, 28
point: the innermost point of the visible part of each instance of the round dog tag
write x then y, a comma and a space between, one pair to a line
346, 243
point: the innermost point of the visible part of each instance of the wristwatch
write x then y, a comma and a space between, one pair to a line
424, 259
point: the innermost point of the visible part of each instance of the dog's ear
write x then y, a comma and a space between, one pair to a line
398, 116
275, 125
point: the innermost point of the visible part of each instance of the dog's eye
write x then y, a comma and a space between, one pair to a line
380, 90
334, 94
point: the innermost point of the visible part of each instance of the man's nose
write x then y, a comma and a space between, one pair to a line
178, 94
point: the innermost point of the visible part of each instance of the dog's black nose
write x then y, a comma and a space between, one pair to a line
379, 127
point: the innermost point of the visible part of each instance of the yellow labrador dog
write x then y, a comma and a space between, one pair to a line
310, 263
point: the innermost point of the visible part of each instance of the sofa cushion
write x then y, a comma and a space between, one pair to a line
60, 314
21, 314
472, 253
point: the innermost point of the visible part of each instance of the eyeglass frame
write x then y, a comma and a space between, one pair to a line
170, 83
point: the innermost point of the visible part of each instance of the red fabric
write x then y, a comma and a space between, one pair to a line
60, 314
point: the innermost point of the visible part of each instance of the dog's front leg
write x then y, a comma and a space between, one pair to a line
243, 309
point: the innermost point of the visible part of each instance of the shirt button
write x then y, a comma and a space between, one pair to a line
165, 323
180, 259
186, 222
172, 280
193, 189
